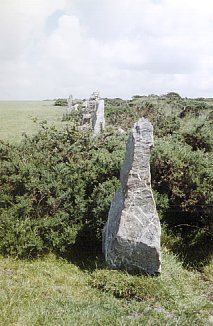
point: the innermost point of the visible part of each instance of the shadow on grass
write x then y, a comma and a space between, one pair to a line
86, 253
186, 238
86, 258
194, 254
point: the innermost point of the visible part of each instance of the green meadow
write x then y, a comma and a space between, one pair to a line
53, 291
18, 117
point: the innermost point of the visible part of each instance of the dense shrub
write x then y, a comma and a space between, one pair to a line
199, 137
165, 125
56, 187
194, 109
52, 186
183, 179
173, 95
126, 113
61, 102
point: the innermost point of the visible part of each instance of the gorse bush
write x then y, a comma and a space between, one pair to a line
184, 177
200, 137
53, 185
61, 102
56, 187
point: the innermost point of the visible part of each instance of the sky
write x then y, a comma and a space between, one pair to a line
54, 48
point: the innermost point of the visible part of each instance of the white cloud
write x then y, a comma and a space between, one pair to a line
121, 47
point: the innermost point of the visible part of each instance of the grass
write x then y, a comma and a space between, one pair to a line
52, 291
208, 271
18, 117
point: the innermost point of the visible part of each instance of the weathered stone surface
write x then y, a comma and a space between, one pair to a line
99, 118
93, 114
70, 101
88, 114
131, 236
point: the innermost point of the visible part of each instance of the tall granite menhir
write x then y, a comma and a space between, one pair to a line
131, 236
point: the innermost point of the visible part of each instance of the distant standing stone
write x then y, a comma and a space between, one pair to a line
131, 236
70, 101
99, 118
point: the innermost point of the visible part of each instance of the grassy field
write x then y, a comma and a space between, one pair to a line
52, 291
19, 116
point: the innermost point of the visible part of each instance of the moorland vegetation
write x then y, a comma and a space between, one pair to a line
55, 191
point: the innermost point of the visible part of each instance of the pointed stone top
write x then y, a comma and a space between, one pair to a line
143, 132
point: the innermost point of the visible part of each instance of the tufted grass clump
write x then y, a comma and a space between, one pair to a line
177, 291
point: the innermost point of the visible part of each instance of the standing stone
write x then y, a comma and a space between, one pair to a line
93, 114
70, 101
99, 118
131, 236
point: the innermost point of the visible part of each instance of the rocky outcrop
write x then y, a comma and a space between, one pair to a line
131, 236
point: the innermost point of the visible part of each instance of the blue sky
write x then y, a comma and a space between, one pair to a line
54, 48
